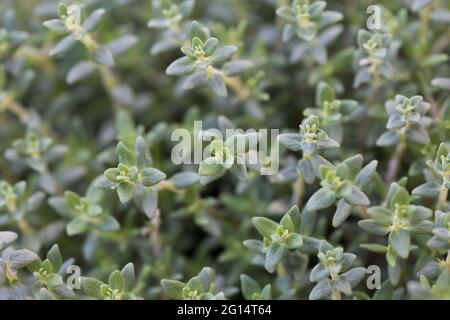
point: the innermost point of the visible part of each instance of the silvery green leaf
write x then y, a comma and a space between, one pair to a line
80, 71
91, 22
240, 172
307, 170
265, 227
148, 198
443, 83
186, 7
385, 292
91, 287
126, 156
184, 179
356, 197
210, 46
422, 227
249, 287
419, 4
116, 281
210, 167
343, 210
366, 175
54, 255
324, 93
330, 17
442, 233
418, 135
76, 226
294, 241
321, 290
122, 44
125, 191
197, 31
431, 270
371, 226
103, 56
318, 273
354, 276
7, 237
427, 190
63, 45
254, 245
108, 223
347, 261
223, 54
341, 286
291, 141
236, 67
172, 288
321, 199
56, 25
374, 247
129, 276
20, 258
55, 280
273, 256
181, 67
217, 84
151, 176
400, 241
395, 273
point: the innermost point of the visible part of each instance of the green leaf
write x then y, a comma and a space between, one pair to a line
217, 84
374, 247
341, 286
321, 199
197, 31
273, 256
343, 211
56, 25
400, 241
116, 281
321, 291
20, 258
223, 54
54, 255
151, 176
181, 67
173, 288
184, 179
91, 287
210, 167
143, 157
236, 67
324, 93
129, 277
294, 241
91, 22
7, 237
265, 227
356, 197
150, 202
249, 287
125, 191
103, 56
55, 280
76, 226
126, 156
79, 71
371, 226
108, 223
210, 46
63, 45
